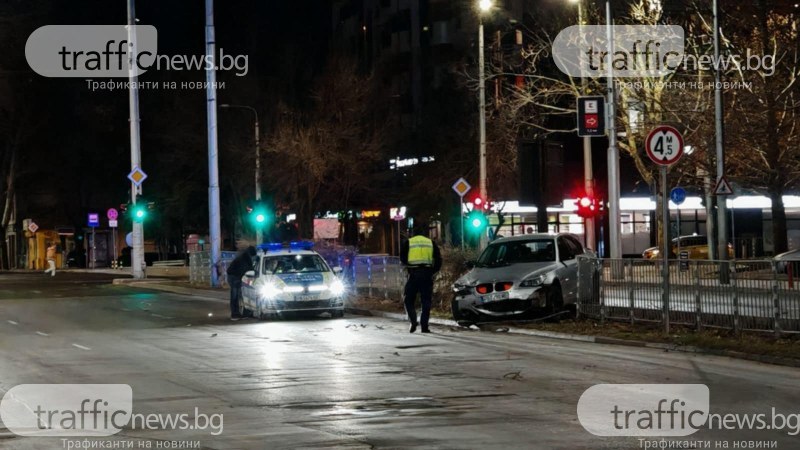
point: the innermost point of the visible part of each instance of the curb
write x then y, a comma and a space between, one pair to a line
156, 286
765, 359
774, 360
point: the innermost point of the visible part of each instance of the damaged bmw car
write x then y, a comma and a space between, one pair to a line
516, 277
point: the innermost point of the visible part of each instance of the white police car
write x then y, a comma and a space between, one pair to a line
291, 278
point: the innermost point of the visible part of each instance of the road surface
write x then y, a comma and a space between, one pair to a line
344, 383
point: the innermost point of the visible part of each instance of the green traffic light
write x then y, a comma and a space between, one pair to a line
260, 218
139, 213
477, 221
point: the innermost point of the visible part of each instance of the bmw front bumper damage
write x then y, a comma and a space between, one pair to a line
517, 302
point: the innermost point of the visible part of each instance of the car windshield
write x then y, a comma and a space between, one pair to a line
503, 254
294, 264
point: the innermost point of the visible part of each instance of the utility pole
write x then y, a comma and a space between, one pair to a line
613, 153
137, 255
213, 169
722, 209
588, 176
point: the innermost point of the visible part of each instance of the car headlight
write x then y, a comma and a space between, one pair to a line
337, 288
533, 282
270, 290
461, 289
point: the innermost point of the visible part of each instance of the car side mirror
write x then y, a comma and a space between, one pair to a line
337, 270
250, 274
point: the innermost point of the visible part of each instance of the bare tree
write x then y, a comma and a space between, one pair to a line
323, 157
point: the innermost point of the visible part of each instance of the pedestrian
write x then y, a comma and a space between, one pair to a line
422, 260
51, 259
236, 270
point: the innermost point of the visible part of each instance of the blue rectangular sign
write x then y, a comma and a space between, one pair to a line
94, 220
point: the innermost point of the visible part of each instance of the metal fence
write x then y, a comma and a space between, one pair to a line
736, 295
370, 275
200, 267
377, 276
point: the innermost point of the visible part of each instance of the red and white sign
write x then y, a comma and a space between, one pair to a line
112, 214
664, 145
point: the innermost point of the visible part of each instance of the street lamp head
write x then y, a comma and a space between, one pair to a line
485, 5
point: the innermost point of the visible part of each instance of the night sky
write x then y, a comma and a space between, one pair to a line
76, 150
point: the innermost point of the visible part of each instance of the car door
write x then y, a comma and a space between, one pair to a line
569, 272
249, 285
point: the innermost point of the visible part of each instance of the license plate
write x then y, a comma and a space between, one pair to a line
494, 297
304, 297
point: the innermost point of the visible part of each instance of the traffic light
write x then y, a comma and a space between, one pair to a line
479, 203
139, 212
588, 207
477, 221
259, 215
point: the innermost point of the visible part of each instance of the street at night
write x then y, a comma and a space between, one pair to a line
356, 382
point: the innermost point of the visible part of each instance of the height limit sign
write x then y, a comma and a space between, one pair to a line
591, 116
664, 145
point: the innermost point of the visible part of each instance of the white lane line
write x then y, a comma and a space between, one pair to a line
81, 347
12, 322
159, 315
42, 334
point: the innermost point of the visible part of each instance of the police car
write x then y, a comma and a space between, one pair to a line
291, 278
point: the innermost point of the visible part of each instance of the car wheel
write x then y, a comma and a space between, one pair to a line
555, 300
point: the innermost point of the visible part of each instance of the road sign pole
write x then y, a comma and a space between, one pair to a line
665, 249
94, 250
461, 219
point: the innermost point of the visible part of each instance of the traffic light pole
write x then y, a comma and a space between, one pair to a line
137, 255
213, 169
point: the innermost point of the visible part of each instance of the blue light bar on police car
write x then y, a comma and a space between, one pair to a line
301, 245
270, 246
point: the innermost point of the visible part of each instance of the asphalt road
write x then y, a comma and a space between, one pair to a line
344, 383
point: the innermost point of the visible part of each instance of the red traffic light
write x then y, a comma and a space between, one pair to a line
479, 203
588, 207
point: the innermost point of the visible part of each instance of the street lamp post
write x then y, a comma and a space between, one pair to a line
258, 150
484, 5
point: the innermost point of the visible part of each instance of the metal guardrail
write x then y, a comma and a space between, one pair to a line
736, 295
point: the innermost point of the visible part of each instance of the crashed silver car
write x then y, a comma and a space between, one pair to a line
517, 276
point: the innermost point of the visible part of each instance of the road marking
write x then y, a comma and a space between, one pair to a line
81, 347
12, 322
42, 334
159, 315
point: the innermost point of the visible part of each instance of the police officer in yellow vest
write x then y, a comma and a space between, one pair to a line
422, 260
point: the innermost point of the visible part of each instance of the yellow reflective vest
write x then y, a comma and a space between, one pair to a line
420, 251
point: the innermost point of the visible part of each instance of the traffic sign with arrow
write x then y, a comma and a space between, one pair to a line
723, 187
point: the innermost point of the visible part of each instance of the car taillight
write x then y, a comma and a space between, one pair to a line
504, 286
483, 288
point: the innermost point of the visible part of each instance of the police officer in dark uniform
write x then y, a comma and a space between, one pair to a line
236, 270
422, 259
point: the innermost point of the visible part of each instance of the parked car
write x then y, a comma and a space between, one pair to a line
695, 245
517, 276
291, 279
784, 260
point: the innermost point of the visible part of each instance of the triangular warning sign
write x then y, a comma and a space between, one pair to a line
723, 187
